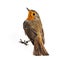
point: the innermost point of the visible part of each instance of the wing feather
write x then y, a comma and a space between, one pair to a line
31, 33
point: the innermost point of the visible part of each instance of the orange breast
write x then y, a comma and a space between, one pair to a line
30, 16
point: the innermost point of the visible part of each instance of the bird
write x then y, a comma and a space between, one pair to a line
34, 30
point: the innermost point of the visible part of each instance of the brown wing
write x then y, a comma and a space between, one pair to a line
31, 33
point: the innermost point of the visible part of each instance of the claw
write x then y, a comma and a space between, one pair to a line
23, 42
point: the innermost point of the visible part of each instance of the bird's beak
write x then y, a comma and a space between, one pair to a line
27, 9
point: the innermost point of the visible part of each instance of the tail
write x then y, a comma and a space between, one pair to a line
39, 48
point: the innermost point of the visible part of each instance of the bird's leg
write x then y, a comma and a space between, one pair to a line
24, 42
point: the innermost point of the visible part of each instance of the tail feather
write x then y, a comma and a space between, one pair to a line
36, 49
42, 48
39, 48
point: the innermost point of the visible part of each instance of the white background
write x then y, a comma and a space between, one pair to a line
12, 15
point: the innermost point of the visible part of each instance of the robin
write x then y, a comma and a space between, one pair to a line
33, 29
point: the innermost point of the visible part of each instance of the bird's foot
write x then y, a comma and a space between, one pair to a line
23, 42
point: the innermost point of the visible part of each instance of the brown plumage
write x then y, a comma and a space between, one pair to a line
33, 28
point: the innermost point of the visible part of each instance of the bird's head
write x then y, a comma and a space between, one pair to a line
32, 15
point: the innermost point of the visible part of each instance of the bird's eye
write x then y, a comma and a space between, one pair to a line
33, 13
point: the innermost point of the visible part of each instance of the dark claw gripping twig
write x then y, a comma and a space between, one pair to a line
23, 42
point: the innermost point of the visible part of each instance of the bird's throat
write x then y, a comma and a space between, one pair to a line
30, 17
